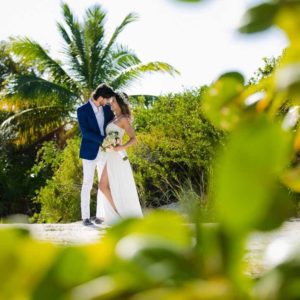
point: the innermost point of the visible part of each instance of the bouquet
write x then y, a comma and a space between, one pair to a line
113, 140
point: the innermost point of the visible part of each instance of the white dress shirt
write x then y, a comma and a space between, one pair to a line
99, 116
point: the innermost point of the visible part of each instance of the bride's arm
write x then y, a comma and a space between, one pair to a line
125, 124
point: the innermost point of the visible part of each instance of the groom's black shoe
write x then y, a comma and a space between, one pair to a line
98, 221
87, 222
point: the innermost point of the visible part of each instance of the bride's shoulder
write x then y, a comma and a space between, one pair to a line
124, 122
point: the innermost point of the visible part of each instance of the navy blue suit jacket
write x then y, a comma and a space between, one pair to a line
91, 135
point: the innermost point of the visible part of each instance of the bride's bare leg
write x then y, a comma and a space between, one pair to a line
105, 188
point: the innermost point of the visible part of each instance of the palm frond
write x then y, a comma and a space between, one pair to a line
72, 57
94, 40
38, 89
75, 42
119, 59
32, 124
15, 104
64, 33
32, 51
131, 17
71, 53
75, 68
123, 58
130, 75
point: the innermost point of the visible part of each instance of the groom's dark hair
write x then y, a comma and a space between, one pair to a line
104, 91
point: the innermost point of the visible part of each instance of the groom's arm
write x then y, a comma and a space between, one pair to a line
86, 134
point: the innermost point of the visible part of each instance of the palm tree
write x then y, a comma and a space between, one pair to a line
46, 96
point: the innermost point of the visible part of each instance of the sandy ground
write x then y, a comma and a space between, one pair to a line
65, 234
268, 249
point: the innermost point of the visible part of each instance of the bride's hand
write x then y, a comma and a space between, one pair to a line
118, 148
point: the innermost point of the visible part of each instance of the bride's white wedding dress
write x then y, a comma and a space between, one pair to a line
122, 185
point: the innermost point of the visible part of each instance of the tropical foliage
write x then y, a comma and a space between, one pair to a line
16, 186
176, 144
59, 198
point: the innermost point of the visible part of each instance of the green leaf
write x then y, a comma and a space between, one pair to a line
280, 209
163, 226
259, 18
238, 77
246, 174
34, 87
32, 51
68, 269
131, 17
30, 125
25, 262
125, 78
220, 102
288, 20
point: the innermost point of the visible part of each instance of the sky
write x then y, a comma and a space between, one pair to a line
199, 40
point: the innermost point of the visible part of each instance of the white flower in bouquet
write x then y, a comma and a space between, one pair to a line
113, 140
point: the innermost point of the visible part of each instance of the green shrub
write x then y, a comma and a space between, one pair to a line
60, 197
17, 187
175, 143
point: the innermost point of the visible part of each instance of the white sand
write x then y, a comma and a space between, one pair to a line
71, 233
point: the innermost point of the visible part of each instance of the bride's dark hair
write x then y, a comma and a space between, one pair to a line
123, 101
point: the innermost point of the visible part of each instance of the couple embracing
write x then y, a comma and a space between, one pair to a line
104, 118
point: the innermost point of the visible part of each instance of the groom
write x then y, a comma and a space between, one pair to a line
93, 118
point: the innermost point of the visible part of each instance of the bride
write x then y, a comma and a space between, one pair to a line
117, 186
